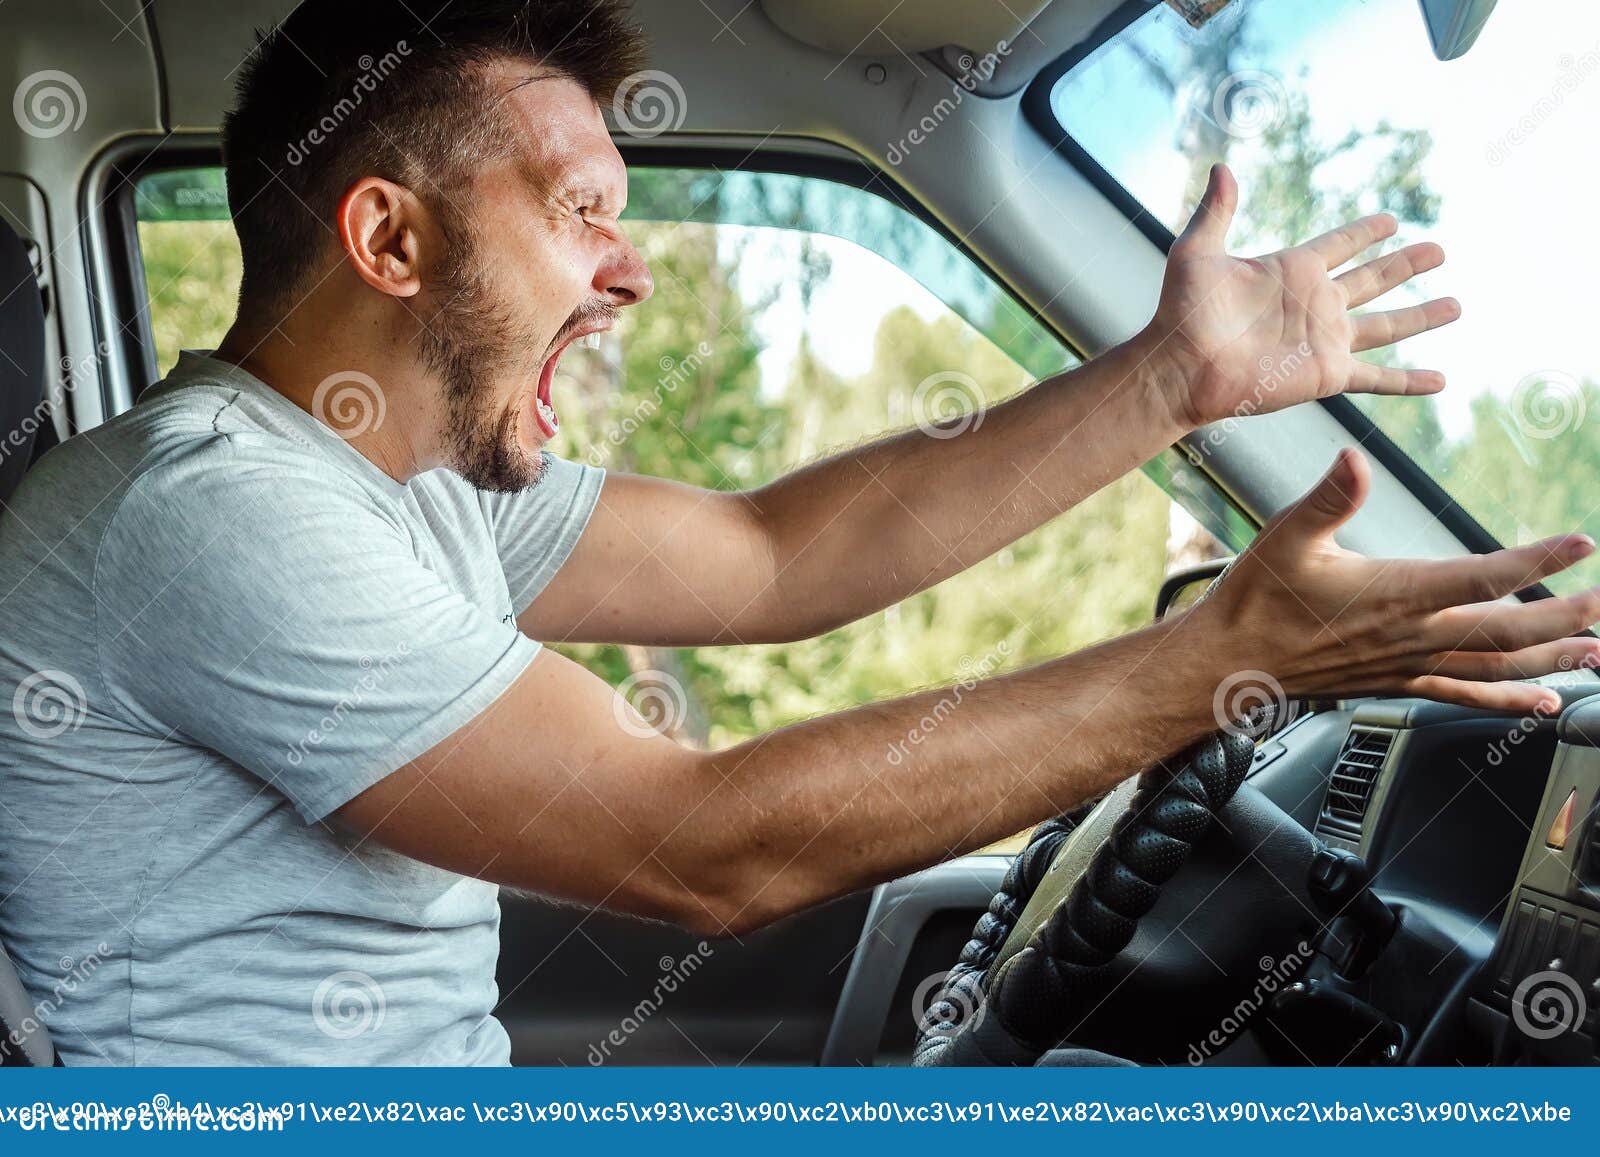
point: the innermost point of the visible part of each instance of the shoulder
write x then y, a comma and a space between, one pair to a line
221, 509
214, 477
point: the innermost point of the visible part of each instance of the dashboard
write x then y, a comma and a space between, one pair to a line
1546, 968
1480, 831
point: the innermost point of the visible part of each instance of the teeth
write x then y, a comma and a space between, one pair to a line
548, 413
590, 341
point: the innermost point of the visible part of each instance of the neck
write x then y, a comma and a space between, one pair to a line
362, 394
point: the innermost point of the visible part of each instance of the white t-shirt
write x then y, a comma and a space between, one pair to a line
218, 624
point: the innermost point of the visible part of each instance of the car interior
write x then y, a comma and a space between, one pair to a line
838, 191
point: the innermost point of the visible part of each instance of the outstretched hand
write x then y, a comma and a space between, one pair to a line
1252, 335
1326, 622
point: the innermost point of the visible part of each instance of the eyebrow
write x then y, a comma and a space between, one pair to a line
564, 187
582, 187
575, 185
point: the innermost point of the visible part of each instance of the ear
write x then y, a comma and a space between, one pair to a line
380, 230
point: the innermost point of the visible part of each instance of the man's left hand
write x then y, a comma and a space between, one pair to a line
1252, 335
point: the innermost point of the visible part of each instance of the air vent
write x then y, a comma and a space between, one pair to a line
1350, 786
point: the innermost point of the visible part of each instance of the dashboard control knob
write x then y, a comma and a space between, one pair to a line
1340, 884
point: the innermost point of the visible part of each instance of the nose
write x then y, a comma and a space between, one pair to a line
624, 278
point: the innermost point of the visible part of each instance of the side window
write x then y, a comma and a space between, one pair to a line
191, 259
794, 316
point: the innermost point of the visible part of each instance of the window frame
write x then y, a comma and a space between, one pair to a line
1038, 110
116, 262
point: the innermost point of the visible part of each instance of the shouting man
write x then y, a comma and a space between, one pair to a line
316, 731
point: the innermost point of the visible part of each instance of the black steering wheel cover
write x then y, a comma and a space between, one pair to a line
962, 989
1035, 997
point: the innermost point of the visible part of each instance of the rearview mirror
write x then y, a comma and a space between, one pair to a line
1453, 25
1183, 587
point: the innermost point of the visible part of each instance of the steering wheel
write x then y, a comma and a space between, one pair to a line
1137, 926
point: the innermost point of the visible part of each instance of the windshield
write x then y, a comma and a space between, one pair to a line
1330, 110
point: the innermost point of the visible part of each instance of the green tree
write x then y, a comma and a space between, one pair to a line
192, 271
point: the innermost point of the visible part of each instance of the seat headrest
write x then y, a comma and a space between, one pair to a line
22, 381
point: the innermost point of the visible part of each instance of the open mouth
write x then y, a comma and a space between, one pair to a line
544, 410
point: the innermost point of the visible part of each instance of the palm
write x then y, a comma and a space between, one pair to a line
1258, 334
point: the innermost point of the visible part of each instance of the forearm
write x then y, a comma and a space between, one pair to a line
868, 527
601, 810
824, 807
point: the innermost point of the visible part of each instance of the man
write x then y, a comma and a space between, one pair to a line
301, 729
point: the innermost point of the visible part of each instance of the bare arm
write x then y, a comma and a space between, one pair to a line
558, 788
547, 791
671, 565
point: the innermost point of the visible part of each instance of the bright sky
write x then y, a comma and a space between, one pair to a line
1516, 141
861, 287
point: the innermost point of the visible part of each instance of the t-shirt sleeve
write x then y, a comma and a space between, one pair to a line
282, 619
535, 529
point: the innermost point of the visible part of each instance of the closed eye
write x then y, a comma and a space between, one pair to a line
598, 220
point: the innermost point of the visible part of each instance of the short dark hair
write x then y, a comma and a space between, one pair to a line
398, 89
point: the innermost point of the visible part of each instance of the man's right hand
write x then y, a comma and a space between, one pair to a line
1326, 622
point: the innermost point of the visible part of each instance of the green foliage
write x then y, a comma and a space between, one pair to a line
191, 272
1524, 468
1289, 196
1083, 577
1086, 576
